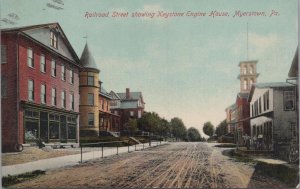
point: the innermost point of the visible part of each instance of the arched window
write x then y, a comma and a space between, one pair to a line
250, 83
245, 84
251, 69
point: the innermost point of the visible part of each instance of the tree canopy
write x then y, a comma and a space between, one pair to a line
208, 128
221, 128
178, 128
193, 134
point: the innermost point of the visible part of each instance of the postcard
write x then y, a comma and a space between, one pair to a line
149, 94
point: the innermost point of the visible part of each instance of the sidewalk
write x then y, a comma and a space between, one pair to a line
69, 160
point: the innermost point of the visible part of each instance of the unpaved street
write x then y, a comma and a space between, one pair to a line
175, 165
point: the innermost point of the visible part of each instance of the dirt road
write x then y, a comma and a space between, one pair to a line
176, 165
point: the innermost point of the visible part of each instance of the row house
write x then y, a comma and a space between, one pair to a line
129, 105
109, 122
273, 113
95, 114
39, 86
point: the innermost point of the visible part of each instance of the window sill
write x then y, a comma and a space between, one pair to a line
44, 72
53, 76
31, 67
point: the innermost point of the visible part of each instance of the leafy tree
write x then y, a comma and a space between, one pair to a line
221, 128
178, 128
208, 128
132, 125
193, 134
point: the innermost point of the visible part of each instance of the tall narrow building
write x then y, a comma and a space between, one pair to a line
248, 75
89, 95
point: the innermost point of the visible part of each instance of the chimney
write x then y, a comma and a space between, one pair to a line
127, 93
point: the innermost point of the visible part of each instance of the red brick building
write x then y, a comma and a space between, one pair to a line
129, 105
39, 86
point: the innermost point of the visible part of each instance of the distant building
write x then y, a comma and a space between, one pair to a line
39, 86
129, 105
273, 113
231, 118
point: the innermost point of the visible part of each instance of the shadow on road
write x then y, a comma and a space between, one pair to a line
267, 174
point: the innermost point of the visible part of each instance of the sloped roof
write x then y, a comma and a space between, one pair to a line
268, 85
114, 95
133, 96
87, 60
25, 30
104, 93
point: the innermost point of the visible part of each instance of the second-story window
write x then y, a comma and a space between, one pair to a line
63, 99
30, 90
72, 101
43, 94
53, 39
53, 97
90, 99
53, 68
289, 100
71, 75
91, 79
43, 63
30, 61
63, 72
3, 54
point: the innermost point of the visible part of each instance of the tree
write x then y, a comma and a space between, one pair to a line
208, 128
132, 125
193, 134
178, 128
150, 122
221, 128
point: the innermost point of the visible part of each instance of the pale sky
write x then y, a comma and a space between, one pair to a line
185, 67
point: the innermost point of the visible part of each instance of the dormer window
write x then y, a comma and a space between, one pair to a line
53, 39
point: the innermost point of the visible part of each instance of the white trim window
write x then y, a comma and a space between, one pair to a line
53, 39
72, 106
63, 99
30, 90
53, 97
43, 63
63, 72
43, 94
90, 99
53, 68
71, 75
30, 61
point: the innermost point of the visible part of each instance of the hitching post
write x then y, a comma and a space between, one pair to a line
128, 147
102, 151
134, 147
143, 146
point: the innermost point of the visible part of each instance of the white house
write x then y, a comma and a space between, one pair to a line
272, 113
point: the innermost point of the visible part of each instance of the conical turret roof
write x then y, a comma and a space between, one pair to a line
87, 60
